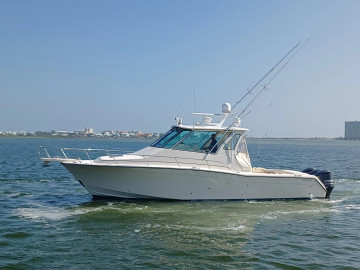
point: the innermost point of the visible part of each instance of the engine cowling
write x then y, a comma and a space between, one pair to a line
325, 177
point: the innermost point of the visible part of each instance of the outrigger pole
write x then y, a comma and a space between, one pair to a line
267, 74
264, 87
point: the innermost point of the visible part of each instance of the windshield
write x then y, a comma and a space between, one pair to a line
194, 141
175, 139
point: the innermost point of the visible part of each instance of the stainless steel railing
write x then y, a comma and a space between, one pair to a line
149, 160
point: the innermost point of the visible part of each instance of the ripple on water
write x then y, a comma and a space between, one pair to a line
193, 228
16, 235
4, 244
42, 213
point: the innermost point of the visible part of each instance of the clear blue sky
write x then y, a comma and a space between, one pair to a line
113, 64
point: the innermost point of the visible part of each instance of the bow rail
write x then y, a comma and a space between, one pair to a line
114, 157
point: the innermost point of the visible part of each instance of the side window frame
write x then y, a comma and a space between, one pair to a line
166, 138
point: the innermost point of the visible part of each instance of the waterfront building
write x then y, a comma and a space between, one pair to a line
352, 130
89, 131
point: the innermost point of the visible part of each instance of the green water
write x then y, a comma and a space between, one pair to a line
48, 220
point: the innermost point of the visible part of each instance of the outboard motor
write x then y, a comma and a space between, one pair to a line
308, 170
325, 177
313, 172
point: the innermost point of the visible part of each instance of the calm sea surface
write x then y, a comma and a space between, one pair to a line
49, 221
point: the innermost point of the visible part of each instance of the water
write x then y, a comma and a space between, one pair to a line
48, 220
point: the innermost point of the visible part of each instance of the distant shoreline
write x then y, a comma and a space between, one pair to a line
152, 139
79, 137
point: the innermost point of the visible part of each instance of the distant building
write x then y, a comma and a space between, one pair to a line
352, 130
106, 133
89, 131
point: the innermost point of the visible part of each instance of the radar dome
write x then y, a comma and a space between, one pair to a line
226, 108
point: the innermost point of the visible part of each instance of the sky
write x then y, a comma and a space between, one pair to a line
138, 64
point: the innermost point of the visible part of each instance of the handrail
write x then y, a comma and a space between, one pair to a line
149, 160
91, 149
46, 152
190, 161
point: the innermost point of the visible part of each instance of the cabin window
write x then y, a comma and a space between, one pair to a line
232, 143
242, 148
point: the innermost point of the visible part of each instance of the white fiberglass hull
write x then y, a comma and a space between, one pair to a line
192, 184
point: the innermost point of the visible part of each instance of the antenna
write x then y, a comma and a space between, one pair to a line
179, 93
195, 86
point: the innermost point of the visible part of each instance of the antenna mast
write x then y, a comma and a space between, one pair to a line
179, 94
195, 88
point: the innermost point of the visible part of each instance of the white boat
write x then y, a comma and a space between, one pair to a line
205, 161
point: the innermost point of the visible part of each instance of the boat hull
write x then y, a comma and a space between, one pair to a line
161, 183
